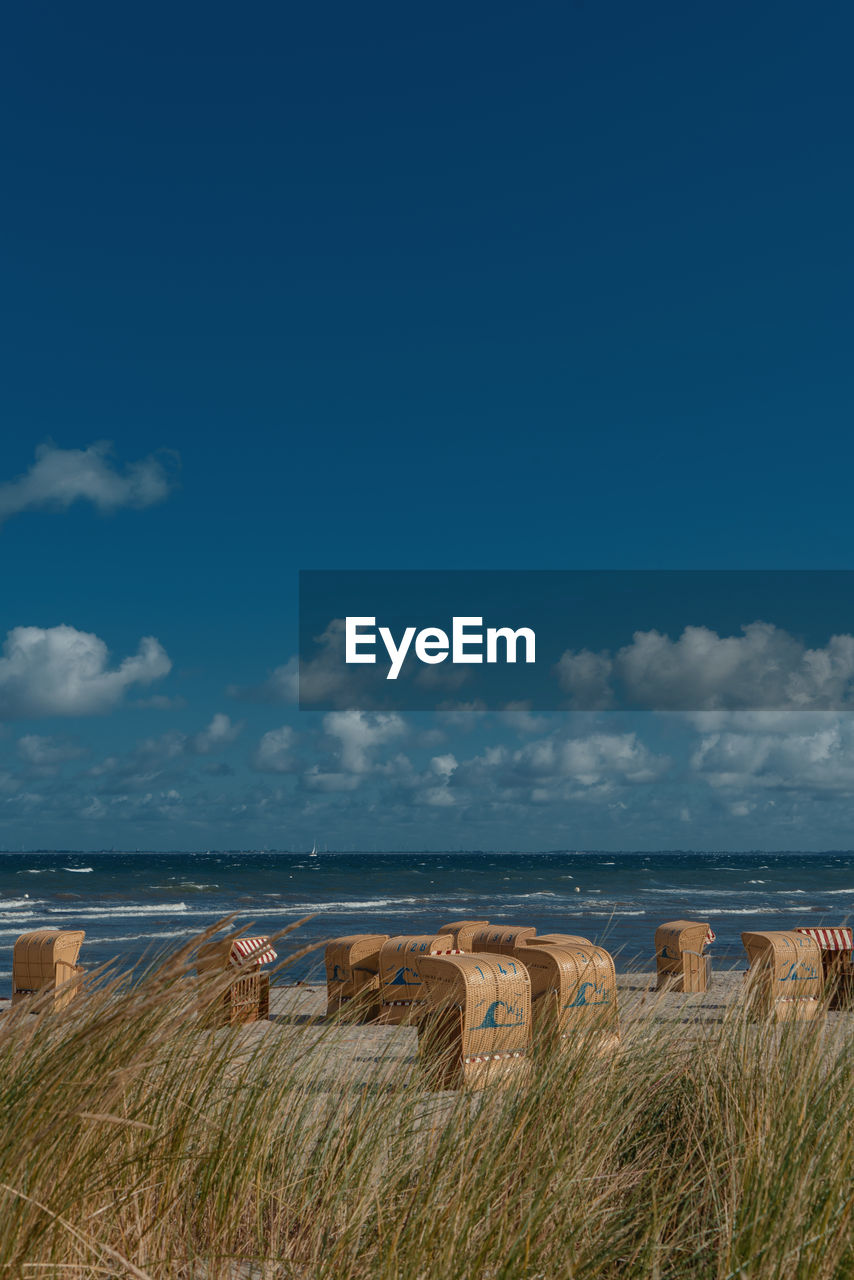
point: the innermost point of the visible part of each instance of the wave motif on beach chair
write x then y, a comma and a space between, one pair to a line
352, 976
400, 979
573, 989
475, 1024
784, 980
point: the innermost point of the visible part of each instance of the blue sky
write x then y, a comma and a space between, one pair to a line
501, 288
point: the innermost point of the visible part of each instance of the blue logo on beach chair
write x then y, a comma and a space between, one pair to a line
600, 995
500, 1009
802, 973
337, 975
401, 979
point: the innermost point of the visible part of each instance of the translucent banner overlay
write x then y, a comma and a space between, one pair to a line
582, 640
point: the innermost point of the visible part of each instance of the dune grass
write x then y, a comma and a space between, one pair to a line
137, 1143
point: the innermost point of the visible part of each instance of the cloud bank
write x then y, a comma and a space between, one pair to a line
763, 667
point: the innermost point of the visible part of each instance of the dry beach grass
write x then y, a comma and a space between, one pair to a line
138, 1143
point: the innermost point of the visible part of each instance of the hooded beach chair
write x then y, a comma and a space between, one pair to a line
352, 976
463, 931
573, 989
475, 1024
501, 940
246, 998
401, 988
558, 940
47, 958
679, 959
785, 974
836, 944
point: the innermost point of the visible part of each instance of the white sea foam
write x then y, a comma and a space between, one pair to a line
7, 904
734, 911
126, 911
613, 913
81, 871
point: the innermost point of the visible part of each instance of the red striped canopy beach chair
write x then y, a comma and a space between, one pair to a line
247, 996
837, 949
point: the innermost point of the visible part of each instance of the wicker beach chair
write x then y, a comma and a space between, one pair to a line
401, 984
47, 958
679, 959
352, 976
573, 989
463, 931
501, 940
836, 944
475, 1027
785, 975
246, 998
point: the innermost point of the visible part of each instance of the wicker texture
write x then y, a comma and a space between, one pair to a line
476, 1022
573, 988
463, 931
785, 974
679, 959
401, 983
501, 940
352, 976
47, 958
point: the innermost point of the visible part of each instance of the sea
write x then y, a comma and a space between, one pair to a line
136, 907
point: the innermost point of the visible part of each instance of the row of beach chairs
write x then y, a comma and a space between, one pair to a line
479, 993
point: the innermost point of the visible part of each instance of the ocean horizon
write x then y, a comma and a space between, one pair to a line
138, 905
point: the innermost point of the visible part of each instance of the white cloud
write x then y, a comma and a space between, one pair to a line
274, 752
359, 732
443, 765
762, 667
61, 671
219, 733
60, 477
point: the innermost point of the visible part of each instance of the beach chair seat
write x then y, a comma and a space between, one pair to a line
680, 961
47, 958
246, 998
836, 943
500, 940
463, 931
352, 976
401, 984
785, 975
475, 1025
573, 989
